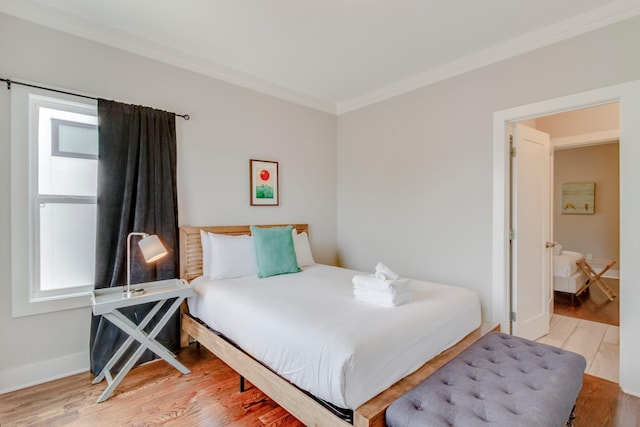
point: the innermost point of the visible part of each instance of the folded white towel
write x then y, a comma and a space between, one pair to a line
373, 284
385, 273
384, 299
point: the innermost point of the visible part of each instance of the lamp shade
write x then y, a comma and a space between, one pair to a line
152, 248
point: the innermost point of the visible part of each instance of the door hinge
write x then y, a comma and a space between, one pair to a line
512, 234
512, 151
512, 316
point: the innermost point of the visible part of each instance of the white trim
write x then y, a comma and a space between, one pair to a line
585, 139
42, 372
628, 94
598, 18
25, 301
81, 27
54, 18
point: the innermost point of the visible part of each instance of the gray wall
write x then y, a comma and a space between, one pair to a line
229, 125
415, 172
597, 234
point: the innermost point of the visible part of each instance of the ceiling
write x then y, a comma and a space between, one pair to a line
332, 55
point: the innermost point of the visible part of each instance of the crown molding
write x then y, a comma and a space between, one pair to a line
580, 24
81, 27
68, 23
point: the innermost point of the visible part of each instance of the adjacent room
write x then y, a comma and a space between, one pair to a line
287, 214
586, 315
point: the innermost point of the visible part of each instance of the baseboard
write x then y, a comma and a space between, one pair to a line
42, 372
630, 392
609, 274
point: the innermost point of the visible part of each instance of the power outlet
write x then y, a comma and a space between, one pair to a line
589, 256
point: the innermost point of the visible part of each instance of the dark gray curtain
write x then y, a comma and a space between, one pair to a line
136, 192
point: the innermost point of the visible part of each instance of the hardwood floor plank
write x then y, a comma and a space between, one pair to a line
607, 361
605, 364
593, 305
560, 328
157, 394
585, 339
582, 336
602, 403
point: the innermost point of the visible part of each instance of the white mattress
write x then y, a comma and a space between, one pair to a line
570, 284
310, 328
564, 265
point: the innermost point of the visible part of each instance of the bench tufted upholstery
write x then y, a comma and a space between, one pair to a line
501, 380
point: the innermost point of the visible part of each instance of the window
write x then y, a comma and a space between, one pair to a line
74, 139
55, 139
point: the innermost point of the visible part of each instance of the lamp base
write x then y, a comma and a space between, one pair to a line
132, 293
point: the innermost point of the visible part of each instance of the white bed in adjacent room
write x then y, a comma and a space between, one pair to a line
309, 328
567, 276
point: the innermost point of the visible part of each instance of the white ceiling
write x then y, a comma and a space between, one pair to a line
333, 55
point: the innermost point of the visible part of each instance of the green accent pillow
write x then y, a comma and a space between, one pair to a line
275, 253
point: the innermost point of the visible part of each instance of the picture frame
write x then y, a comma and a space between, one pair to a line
578, 198
264, 187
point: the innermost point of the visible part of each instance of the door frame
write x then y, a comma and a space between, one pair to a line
628, 95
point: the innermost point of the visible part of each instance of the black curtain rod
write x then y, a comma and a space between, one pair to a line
9, 82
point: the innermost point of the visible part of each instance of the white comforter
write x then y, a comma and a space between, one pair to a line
310, 328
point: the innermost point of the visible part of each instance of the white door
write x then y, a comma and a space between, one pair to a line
531, 256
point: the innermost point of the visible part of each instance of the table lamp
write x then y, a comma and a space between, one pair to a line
152, 250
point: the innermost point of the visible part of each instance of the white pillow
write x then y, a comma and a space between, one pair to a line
206, 253
231, 256
302, 248
557, 249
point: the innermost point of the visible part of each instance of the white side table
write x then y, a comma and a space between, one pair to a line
108, 301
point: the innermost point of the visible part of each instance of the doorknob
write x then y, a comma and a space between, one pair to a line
550, 245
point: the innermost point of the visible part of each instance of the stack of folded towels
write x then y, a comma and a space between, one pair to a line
383, 288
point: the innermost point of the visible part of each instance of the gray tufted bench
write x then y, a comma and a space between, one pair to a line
501, 380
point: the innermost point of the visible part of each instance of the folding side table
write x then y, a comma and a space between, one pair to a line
595, 277
107, 302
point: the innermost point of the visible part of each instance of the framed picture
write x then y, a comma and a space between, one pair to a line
263, 182
578, 198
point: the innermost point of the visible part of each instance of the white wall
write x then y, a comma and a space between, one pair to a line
417, 169
229, 125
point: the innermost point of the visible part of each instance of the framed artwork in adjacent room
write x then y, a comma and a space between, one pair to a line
578, 198
263, 182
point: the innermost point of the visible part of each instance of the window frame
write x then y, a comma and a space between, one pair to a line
55, 139
27, 297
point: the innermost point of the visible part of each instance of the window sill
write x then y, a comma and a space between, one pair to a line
22, 306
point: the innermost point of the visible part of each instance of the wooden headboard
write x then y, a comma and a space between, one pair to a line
191, 246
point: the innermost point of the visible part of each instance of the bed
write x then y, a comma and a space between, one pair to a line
567, 276
363, 375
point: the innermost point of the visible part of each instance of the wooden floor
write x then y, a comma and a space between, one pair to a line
157, 394
597, 342
593, 305
152, 394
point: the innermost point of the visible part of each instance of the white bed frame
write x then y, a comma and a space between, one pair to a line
294, 400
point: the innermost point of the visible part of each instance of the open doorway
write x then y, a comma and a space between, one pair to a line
628, 94
586, 151
586, 155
